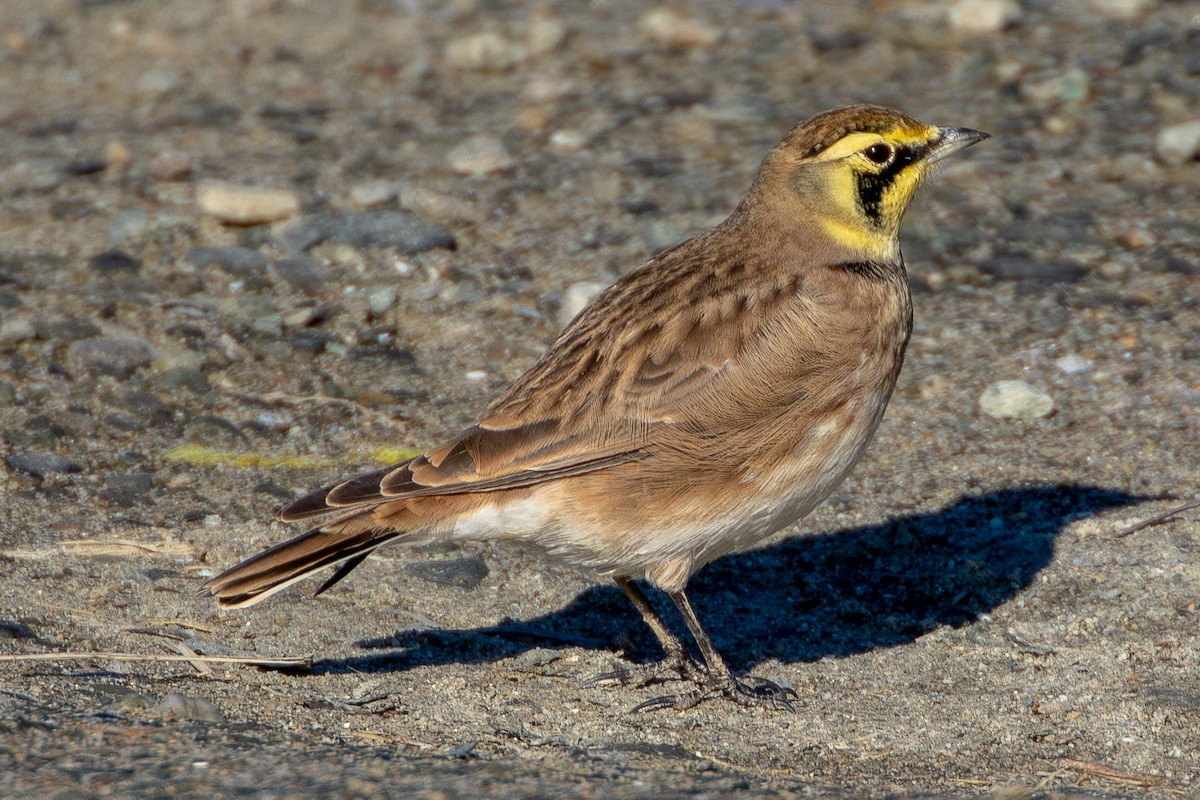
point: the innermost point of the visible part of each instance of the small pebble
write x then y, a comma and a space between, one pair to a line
300, 317
438, 205
240, 262
213, 431
133, 227
544, 34
479, 156
39, 463
16, 329
1047, 89
1136, 238
1123, 9
476, 375
1073, 364
129, 703
66, 330
176, 379
543, 88
31, 175
462, 573
303, 273
194, 708
568, 140
485, 52
983, 17
1020, 268
1175, 145
246, 205
676, 28
117, 157
535, 658
170, 165
119, 356
367, 230
1015, 400
159, 81
381, 300
127, 489
934, 387
533, 119
111, 262
274, 421
371, 193
576, 296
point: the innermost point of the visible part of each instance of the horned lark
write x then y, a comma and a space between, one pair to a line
704, 401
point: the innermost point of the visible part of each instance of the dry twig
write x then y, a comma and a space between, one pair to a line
1090, 769
1157, 518
278, 662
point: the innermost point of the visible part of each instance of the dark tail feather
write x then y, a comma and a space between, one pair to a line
345, 569
272, 570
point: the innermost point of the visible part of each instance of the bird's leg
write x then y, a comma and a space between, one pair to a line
718, 680
677, 659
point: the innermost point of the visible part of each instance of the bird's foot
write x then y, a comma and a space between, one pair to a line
749, 692
675, 667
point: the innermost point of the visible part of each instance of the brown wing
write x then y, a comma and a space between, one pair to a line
475, 461
638, 358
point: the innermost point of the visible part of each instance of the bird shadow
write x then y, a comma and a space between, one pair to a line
820, 595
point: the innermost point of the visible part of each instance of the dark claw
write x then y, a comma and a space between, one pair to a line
656, 704
671, 669
621, 677
751, 692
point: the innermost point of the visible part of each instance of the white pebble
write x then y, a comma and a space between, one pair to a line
976, 17
480, 155
1124, 9
372, 193
544, 34
568, 140
575, 298
1049, 89
171, 165
278, 421
1073, 364
381, 300
476, 375
246, 205
433, 204
675, 27
1178, 144
485, 52
1015, 400
16, 329
159, 82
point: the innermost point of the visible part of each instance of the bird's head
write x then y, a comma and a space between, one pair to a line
854, 170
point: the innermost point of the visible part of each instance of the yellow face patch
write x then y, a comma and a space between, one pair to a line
870, 178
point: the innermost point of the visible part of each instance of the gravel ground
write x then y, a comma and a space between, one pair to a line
249, 246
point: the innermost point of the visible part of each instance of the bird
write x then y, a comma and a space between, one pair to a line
703, 402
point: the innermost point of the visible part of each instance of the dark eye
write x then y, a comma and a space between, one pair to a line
879, 153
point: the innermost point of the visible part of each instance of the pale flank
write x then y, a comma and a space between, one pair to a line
703, 402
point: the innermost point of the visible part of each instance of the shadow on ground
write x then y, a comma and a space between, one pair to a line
829, 595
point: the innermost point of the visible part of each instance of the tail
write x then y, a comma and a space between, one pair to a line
339, 541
